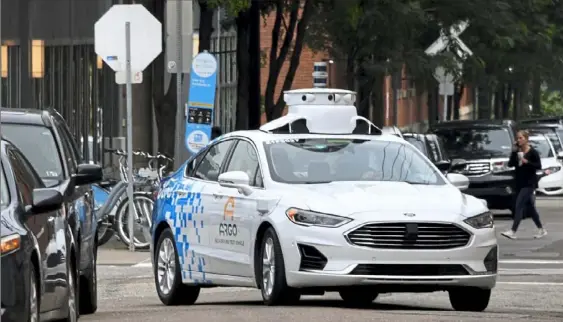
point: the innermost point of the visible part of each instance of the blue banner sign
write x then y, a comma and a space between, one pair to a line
201, 101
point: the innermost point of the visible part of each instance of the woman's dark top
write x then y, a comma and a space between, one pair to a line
525, 175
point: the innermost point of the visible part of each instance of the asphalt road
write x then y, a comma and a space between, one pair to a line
530, 288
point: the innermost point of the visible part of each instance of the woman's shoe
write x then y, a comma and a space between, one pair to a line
541, 233
509, 234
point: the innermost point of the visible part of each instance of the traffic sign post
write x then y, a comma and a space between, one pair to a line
445, 78
128, 38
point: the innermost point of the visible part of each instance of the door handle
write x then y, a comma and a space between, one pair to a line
217, 196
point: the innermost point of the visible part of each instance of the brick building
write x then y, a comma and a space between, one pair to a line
411, 107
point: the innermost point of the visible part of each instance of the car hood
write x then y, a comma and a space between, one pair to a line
549, 162
349, 198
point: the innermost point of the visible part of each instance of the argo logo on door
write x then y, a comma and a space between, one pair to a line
228, 230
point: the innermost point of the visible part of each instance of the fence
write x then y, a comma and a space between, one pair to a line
226, 102
72, 80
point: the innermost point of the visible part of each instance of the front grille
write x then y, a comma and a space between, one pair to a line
409, 236
476, 169
311, 258
409, 270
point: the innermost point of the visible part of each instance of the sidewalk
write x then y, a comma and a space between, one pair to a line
121, 257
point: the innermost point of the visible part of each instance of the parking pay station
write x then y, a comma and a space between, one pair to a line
199, 118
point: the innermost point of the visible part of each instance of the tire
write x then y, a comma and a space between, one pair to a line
470, 299
106, 233
33, 296
121, 216
89, 288
358, 296
177, 293
274, 287
72, 297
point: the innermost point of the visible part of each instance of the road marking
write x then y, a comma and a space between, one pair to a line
145, 263
533, 283
531, 261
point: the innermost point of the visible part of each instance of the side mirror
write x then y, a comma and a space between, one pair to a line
46, 200
88, 173
443, 165
560, 155
236, 179
458, 180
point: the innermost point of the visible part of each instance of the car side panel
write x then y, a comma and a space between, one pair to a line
181, 206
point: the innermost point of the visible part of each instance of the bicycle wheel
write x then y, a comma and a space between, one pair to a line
143, 212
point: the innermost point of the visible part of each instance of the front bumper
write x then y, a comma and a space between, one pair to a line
346, 263
15, 286
490, 186
551, 184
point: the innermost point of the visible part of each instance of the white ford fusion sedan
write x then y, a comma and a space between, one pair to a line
320, 201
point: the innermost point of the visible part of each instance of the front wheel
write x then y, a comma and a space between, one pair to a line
470, 299
167, 273
271, 272
142, 220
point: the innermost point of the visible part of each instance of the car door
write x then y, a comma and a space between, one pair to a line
192, 202
41, 225
234, 215
82, 198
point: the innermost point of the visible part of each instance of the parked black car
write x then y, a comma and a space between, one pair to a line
46, 141
39, 255
480, 150
432, 146
544, 120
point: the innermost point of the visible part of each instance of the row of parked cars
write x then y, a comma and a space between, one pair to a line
480, 149
48, 227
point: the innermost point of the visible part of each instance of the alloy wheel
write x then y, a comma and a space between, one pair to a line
268, 267
166, 264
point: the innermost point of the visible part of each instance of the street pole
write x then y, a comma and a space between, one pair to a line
180, 111
217, 116
445, 111
129, 94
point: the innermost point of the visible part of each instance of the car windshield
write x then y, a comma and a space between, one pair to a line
323, 160
418, 143
4, 191
38, 145
541, 144
551, 134
471, 143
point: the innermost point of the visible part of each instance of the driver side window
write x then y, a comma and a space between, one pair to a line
210, 165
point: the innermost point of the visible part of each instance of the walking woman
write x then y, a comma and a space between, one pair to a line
527, 161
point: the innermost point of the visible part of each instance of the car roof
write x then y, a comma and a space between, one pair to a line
473, 123
259, 136
544, 119
26, 116
532, 126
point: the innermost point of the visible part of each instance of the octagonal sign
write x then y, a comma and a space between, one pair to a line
146, 37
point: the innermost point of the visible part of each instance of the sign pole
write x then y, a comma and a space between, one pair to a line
180, 113
129, 135
445, 105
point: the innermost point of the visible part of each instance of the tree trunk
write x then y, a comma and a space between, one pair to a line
506, 100
484, 101
296, 27
205, 25
243, 66
378, 100
432, 101
164, 95
536, 95
499, 95
255, 101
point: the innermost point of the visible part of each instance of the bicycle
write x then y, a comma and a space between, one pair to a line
143, 199
116, 199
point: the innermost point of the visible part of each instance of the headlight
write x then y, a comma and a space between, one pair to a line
10, 244
311, 218
484, 220
551, 170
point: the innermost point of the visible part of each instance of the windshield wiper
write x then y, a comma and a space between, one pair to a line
415, 182
315, 182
